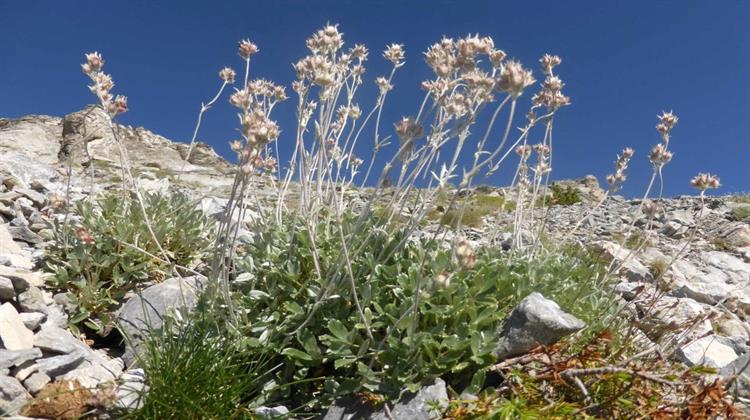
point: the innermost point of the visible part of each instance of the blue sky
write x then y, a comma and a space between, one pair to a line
623, 62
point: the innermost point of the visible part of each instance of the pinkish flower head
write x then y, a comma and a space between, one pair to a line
94, 63
549, 62
227, 75
84, 235
118, 106
395, 54
247, 48
408, 129
704, 182
514, 79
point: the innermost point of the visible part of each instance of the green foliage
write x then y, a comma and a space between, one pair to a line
100, 257
196, 370
740, 199
564, 196
452, 337
469, 212
741, 213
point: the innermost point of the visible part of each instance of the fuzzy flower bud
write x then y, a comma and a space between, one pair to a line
660, 155
443, 280
118, 106
549, 62
94, 63
651, 209
524, 151
247, 48
383, 85
704, 182
84, 235
408, 129
514, 79
227, 75
395, 54
465, 254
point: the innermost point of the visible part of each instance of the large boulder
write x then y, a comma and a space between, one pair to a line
145, 312
535, 321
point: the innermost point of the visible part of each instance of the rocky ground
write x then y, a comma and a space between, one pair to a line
697, 297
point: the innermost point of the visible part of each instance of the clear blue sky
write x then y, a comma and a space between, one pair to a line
623, 62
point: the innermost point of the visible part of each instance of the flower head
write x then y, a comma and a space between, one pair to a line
465, 253
514, 79
704, 182
94, 63
247, 48
395, 54
660, 155
118, 106
549, 62
443, 280
227, 75
383, 85
84, 235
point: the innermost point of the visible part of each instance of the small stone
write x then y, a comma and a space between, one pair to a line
56, 340
59, 365
93, 374
32, 300
24, 234
6, 211
13, 395
37, 198
732, 327
7, 245
133, 384
7, 291
428, 403
271, 412
708, 351
32, 320
20, 284
14, 334
10, 358
535, 321
36, 382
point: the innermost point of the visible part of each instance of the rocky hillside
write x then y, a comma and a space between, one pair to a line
696, 295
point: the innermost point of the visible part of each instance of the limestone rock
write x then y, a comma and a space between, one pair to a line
36, 382
708, 351
32, 300
93, 374
14, 335
133, 384
32, 320
145, 312
57, 365
535, 321
277, 412
12, 395
411, 406
10, 358
7, 291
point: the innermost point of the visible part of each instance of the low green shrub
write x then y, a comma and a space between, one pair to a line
564, 196
195, 370
105, 254
322, 345
741, 213
475, 208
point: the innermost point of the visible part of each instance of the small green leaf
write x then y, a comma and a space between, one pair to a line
343, 362
297, 354
338, 329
